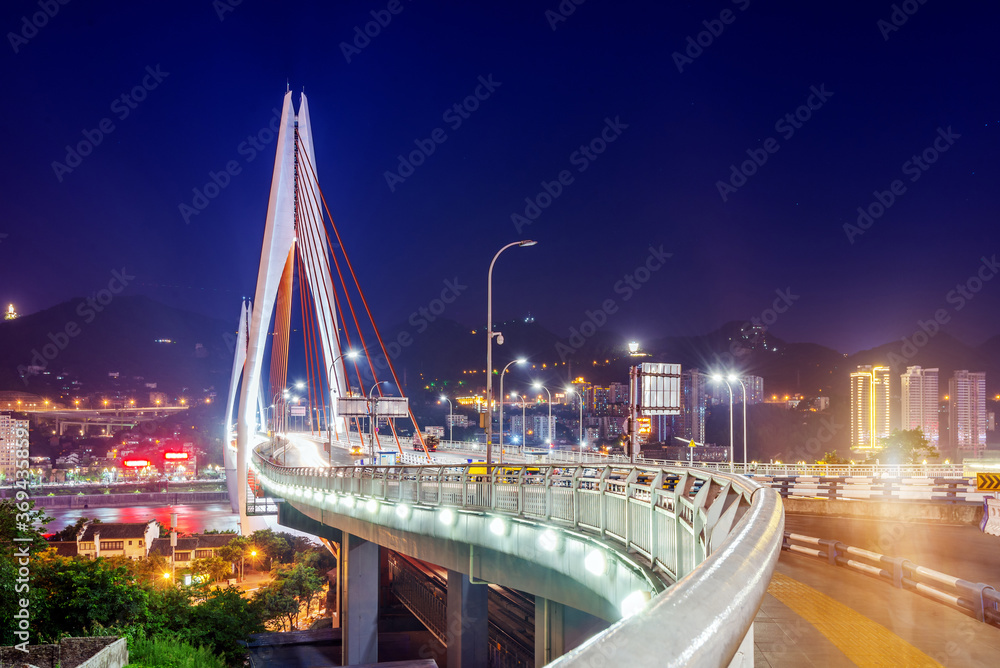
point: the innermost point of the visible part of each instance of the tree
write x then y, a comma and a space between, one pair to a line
76, 596
272, 546
906, 446
832, 458
18, 519
276, 604
236, 550
72, 530
301, 581
216, 568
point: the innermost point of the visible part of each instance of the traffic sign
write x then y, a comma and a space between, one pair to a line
988, 482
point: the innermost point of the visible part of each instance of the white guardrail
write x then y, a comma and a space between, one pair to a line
976, 599
712, 538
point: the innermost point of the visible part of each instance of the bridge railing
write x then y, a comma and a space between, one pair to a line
973, 598
676, 520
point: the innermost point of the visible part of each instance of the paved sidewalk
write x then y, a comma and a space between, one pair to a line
819, 615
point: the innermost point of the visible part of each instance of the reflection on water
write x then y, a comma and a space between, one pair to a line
190, 518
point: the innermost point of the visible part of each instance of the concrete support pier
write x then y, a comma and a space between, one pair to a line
550, 641
468, 625
359, 577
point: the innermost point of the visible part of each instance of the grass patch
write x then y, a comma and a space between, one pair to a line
169, 652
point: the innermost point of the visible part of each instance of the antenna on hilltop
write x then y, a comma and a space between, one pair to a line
288, 86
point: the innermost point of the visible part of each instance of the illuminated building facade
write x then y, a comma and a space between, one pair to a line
967, 411
8, 445
919, 395
869, 407
693, 397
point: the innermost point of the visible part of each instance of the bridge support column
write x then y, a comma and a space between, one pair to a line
359, 624
467, 621
550, 642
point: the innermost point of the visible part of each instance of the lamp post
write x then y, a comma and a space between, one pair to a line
517, 361
524, 405
717, 377
548, 429
579, 396
350, 354
451, 419
373, 416
734, 377
489, 346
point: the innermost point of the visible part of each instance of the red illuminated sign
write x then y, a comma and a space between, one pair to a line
175, 455
136, 463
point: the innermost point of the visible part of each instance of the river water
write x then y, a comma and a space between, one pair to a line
194, 518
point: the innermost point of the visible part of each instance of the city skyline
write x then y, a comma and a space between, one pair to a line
780, 212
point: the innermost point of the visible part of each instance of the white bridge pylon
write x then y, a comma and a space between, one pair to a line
288, 222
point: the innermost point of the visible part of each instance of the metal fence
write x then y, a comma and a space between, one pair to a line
675, 518
927, 489
979, 600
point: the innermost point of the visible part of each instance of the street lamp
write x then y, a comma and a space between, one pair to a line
580, 396
524, 405
548, 429
717, 377
350, 354
451, 419
733, 377
517, 361
373, 413
489, 346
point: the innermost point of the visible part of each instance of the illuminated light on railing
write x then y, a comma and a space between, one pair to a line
596, 562
372, 505
498, 526
331, 499
347, 500
447, 517
403, 511
548, 540
634, 603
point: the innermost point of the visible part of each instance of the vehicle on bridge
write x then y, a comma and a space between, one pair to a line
430, 441
356, 451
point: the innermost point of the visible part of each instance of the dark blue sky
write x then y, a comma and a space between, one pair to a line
655, 184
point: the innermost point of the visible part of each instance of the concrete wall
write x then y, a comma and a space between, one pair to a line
897, 511
122, 500
96, 652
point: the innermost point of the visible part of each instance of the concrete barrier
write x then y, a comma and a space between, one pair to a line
990, 523
122, 500
896, 511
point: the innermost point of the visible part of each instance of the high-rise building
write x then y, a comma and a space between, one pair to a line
618, 393
919, 395
693, 396
967, 411
754, 388
869, 407
544, 430
9, 441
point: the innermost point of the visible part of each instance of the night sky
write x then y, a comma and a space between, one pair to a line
881, 94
